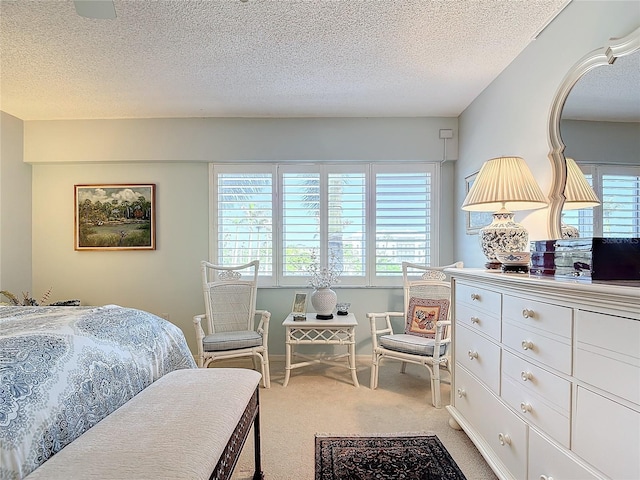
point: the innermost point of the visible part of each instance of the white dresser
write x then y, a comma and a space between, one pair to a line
546, 374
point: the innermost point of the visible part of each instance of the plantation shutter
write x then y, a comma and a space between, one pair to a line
243, 218
618, 188
369, 217
620, 205
323, 218
403, 218
347, 223
301, 203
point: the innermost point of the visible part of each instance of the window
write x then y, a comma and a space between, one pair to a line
370, 217
323, 215
402, 219
243, 218
618, 188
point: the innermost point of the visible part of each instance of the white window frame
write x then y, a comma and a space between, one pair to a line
369, 169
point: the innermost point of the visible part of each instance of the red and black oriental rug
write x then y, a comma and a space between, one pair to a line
384, 457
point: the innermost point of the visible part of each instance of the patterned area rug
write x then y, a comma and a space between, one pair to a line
384, 457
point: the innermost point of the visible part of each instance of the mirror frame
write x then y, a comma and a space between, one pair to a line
602, 56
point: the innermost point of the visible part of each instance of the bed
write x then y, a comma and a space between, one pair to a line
64, 369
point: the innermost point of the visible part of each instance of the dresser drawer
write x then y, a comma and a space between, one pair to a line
554, 389
541, 346
607, 435
535, 409
502, 430
608, 349
551, 462
479, 298
543, 317
479, 355
482, 321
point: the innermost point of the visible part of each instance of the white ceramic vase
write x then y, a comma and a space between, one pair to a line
324, 301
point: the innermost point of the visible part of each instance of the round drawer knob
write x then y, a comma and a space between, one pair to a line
526, 376
527, 345
525, 407
544, 477
472, 354
526, 313
461, 392
475, 320
475, 296
504, 439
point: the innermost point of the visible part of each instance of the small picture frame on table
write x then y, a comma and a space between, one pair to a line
299, 307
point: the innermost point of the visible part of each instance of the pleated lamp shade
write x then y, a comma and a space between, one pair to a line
504, 182
577, 191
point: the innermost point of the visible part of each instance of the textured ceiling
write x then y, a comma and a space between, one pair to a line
607, 93
259, 58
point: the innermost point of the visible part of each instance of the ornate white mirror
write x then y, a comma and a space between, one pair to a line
600, 93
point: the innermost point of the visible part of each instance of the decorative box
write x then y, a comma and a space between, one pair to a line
615, 259
561, 257
598, 258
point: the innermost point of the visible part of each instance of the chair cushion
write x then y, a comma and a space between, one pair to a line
217, 342
410, 344
422, 315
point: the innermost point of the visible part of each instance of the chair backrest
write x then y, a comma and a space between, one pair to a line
426, 282
230, 296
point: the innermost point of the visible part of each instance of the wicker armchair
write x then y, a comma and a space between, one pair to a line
230, 305
425, 339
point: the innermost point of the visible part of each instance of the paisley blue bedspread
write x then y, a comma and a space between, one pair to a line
63, 369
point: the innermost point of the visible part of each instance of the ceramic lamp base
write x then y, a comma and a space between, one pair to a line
502, 235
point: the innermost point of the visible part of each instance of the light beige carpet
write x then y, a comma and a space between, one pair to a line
322, 399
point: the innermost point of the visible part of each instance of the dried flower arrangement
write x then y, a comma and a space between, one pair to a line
29, 301
26, 299
324, 277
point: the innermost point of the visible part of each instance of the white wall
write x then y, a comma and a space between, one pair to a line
15, 210
602, 142
163, 281
511, 116
238, 139
173, 154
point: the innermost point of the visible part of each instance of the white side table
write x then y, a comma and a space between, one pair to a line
340, 330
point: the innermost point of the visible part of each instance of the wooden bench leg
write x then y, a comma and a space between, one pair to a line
258, 474
226, 464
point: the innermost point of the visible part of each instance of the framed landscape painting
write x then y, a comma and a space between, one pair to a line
475, 220
115, 217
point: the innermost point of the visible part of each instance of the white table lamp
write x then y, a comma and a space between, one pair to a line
504, 185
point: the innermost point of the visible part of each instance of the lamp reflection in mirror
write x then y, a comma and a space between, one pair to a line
504, 185
578, 194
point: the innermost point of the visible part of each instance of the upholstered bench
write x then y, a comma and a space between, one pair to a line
189, 424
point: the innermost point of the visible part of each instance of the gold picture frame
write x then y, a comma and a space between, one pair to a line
114, 217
